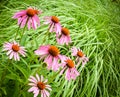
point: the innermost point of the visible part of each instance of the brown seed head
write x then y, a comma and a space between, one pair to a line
15, 47
53, 50
41, 85
70, 63
55, 19
65, 31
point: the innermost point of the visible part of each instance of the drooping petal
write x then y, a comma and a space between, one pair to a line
36, 18
55, 65
34, 23
67, 76
48, 60
24, 21
61, 72
19, 14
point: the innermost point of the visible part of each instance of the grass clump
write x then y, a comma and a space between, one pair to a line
94, 26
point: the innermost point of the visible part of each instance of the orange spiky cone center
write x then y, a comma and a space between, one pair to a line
55, 19
15, 47
70, 63
31, 12
41, 85
80, 54
54, 51
65, 31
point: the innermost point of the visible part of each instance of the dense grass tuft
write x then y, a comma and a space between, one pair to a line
95, 28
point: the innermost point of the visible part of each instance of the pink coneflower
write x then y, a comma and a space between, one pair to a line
29, 16
80, 56
39, 86
54, 24
14, 49
64, 37
52, 55
69, 67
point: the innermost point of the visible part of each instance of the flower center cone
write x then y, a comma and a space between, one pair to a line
54, 51
41, 85
31, 12
55, 19
80, 54
15, 48
70, 63
65, 31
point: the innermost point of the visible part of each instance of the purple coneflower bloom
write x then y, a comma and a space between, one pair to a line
80, 56
54, 24
69, 69
39, 86
51, 54
29, 16
64, 37
14, 49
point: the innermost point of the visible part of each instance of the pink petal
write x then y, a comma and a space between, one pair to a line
17, 57
49, 88
34, 24
41, 78
19, 14
32, 79
42, 93
11, 55
58, 28
32, 89
61, 72
29, 23
74, 51
55, 65
62, 58
45, 80
9, 52
36, 18
32, 84
37, 76
42, 50
67, 76
36, 92
47, 93
48, 60
24, 21
51, 26
22, 52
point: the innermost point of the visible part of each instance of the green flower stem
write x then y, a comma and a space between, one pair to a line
24, 29
17, 32
47, 35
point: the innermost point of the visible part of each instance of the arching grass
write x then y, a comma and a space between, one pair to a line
94, 27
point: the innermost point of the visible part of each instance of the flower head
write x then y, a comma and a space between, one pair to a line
39, 86
54, 24
51, 54
14, 49
64, 37
29, 17
80, 56
69, 68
